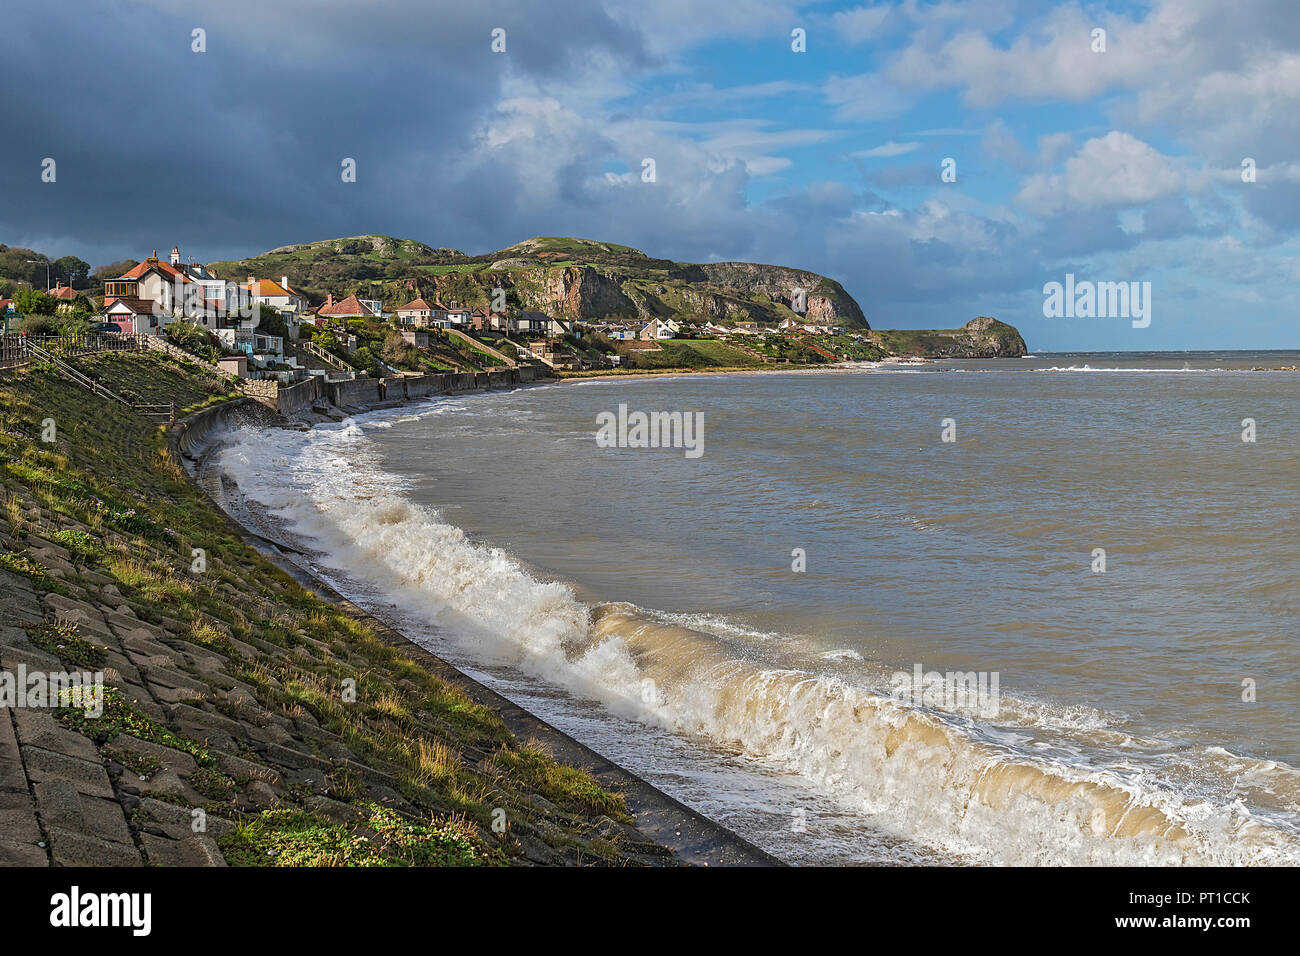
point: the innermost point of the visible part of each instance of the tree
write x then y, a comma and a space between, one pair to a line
270, 321
194, 339
325, 339
33, 301
113, 270
72, 270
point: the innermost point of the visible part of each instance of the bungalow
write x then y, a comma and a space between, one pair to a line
417, 312
481, 320
349, 308
129, 313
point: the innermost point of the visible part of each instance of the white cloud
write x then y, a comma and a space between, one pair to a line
885, 150
862, 23
1114, 169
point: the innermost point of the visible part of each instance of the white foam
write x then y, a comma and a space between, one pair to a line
920, 775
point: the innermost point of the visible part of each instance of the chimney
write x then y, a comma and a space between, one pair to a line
284, 283
329, 299
176, 255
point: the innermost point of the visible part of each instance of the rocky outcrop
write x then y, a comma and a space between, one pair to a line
827, 302
981, 337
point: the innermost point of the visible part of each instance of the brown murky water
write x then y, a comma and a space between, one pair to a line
648, 598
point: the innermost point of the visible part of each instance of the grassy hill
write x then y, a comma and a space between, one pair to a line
563, 276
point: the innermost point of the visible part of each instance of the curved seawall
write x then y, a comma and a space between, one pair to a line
693, 838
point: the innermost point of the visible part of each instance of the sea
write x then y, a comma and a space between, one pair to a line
1035, 611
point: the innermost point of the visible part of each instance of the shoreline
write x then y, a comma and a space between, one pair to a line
739, 370
693, 838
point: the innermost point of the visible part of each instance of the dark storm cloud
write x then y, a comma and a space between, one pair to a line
239, 148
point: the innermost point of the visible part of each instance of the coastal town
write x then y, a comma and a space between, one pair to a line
266, 329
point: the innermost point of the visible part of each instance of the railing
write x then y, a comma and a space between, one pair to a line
90, 343
158, 413
329, 358
68, 371
16, 348
474, 343
13, 350
162, 414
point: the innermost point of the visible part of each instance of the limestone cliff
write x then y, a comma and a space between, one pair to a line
572, 278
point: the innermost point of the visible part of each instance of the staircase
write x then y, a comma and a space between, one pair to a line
68, 371
159, 414
318, 353
475, 343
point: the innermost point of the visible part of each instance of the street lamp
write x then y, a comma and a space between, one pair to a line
37, 262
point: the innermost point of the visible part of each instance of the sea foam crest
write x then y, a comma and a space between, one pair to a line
911, 772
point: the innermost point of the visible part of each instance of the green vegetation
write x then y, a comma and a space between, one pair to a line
61, 640
690, 353
611, 280
381, 838
121, 717
981, 337
84, 548
420, 765
562, 785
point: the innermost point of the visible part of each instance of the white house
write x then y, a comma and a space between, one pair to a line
163, 292
280, 295
659, 329
455, 314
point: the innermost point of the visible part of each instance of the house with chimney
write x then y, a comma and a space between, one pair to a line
154, 294
279, 295
417, 314
338, 313
64, 295
455, 314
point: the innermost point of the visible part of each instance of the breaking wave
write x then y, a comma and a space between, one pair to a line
984, 794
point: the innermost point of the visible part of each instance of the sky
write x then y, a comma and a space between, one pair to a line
814, 135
